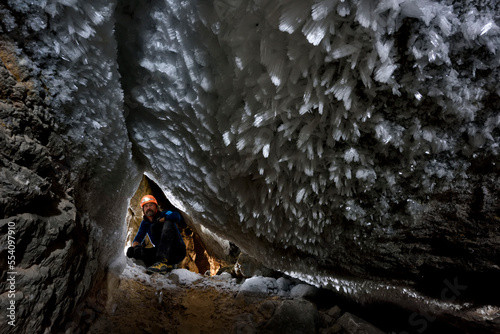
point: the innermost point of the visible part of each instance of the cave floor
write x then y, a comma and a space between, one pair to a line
186, 302
136, 308
153, 304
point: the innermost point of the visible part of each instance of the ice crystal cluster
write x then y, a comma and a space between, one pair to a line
278, 124
69, 48
298, 121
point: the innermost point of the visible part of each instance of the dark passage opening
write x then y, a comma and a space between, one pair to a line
199, 259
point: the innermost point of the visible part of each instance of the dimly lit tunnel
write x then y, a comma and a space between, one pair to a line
205, 253
334, 164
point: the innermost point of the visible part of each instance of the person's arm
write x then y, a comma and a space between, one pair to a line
170, 215
141, 234
134, 251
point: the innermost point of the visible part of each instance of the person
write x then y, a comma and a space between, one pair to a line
169, 248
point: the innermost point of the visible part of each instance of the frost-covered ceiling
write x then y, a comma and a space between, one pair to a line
299, 121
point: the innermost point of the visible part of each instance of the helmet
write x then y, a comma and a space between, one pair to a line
148, 199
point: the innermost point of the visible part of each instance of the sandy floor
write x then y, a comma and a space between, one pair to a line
163, 304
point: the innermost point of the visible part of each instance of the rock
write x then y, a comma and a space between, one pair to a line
184, 276
329, 316
174, 278
49, 188
296, 316
304, 291
226, 275
244, 324
267, 308
326, 320
283, 283
334, 329
334, 312
352, 324
256, 288
247, 266
283, 286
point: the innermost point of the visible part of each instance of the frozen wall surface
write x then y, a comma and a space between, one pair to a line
351, 143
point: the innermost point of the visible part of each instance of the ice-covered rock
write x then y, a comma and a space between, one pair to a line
184, 276
303, 291
257, 287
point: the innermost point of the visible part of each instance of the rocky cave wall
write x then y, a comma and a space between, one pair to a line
66, 165
352, 144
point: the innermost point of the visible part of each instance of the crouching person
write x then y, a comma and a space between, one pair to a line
169, 248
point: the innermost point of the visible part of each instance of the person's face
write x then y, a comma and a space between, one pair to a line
149, 209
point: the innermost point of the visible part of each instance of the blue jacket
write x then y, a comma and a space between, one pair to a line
146, 226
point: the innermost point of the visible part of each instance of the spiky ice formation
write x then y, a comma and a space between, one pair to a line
298, 121
68, 51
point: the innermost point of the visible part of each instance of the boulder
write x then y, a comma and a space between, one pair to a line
247, 266
352, 324
296, 316
304, 291
256, 288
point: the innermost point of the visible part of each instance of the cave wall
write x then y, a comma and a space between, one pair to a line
66, 164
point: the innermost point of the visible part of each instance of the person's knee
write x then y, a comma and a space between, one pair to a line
135, 252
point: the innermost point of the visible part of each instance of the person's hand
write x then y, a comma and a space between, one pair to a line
130, 252
138, 252
168, 215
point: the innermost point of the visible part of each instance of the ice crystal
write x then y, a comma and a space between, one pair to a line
293, 102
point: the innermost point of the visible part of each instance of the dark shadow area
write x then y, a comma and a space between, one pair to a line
477, 288
391, 318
